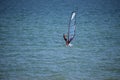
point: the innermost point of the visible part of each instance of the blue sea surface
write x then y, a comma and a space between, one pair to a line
32, 45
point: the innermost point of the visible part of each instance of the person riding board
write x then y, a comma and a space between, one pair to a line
66, 40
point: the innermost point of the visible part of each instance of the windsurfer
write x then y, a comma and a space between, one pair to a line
64, 36
66, 40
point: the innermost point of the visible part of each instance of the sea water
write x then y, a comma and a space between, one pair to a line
32, 45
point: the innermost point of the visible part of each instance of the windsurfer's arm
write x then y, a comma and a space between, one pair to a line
71, 39
64, 37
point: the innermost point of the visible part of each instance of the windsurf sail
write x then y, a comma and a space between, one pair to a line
72, 25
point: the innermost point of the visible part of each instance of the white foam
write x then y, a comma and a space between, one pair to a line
70, 45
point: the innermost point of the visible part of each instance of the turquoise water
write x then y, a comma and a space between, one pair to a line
32, 46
